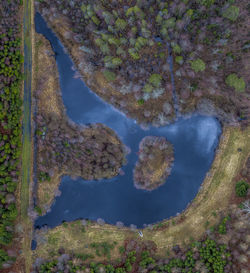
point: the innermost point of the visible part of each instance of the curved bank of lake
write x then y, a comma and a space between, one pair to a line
194, 139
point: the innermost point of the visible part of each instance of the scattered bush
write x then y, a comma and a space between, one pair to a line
43, 176
179, 59
198, 65
237, 83
109, 75
241, 188
140, 101
148, 88
204, 256
231, 13
222, 226
155, 80
3, 257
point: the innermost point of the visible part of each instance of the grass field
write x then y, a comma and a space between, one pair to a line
204, 211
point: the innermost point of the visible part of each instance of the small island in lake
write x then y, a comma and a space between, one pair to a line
156, 156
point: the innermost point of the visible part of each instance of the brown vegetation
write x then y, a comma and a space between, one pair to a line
156, 156
92, 152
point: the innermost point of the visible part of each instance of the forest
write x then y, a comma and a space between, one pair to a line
10, 120
129, 43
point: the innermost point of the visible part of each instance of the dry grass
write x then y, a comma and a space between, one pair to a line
76, 237
98, 83
47, 84
46, 191
159, 172
47, 79
214, 196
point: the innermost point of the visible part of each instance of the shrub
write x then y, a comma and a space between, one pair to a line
155, 80
109, 75
206, 3
116, 61
176, 48
170, 23
237, 83
38, 210
159, 19
108, 17
43, 176
241, 188
140, 42
3, 257
105, 49
140, 101
132, 52
222, 226
190, 12
148, 88
231, 13
198, 65
95, 20
120, 51
120, 24
179, 59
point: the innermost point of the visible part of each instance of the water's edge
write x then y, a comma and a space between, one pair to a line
194, 139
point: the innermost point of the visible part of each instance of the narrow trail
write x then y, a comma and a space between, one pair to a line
26, 133
175, 97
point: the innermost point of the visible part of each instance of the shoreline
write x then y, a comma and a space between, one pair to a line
211, 104
57, 176
154, 164
63, 147
214, 192
191, 221
55, 180
96, 82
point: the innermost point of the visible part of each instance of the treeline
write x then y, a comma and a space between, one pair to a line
211, 254
129, 42
202, 256
10, 125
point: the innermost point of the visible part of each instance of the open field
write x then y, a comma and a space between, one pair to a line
204, 211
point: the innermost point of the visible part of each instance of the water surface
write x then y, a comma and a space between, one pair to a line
194, 139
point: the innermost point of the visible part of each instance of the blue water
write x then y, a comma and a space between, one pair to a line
194, 139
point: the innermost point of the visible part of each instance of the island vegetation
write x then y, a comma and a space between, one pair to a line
156, 156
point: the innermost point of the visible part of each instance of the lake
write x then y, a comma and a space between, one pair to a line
194, 139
